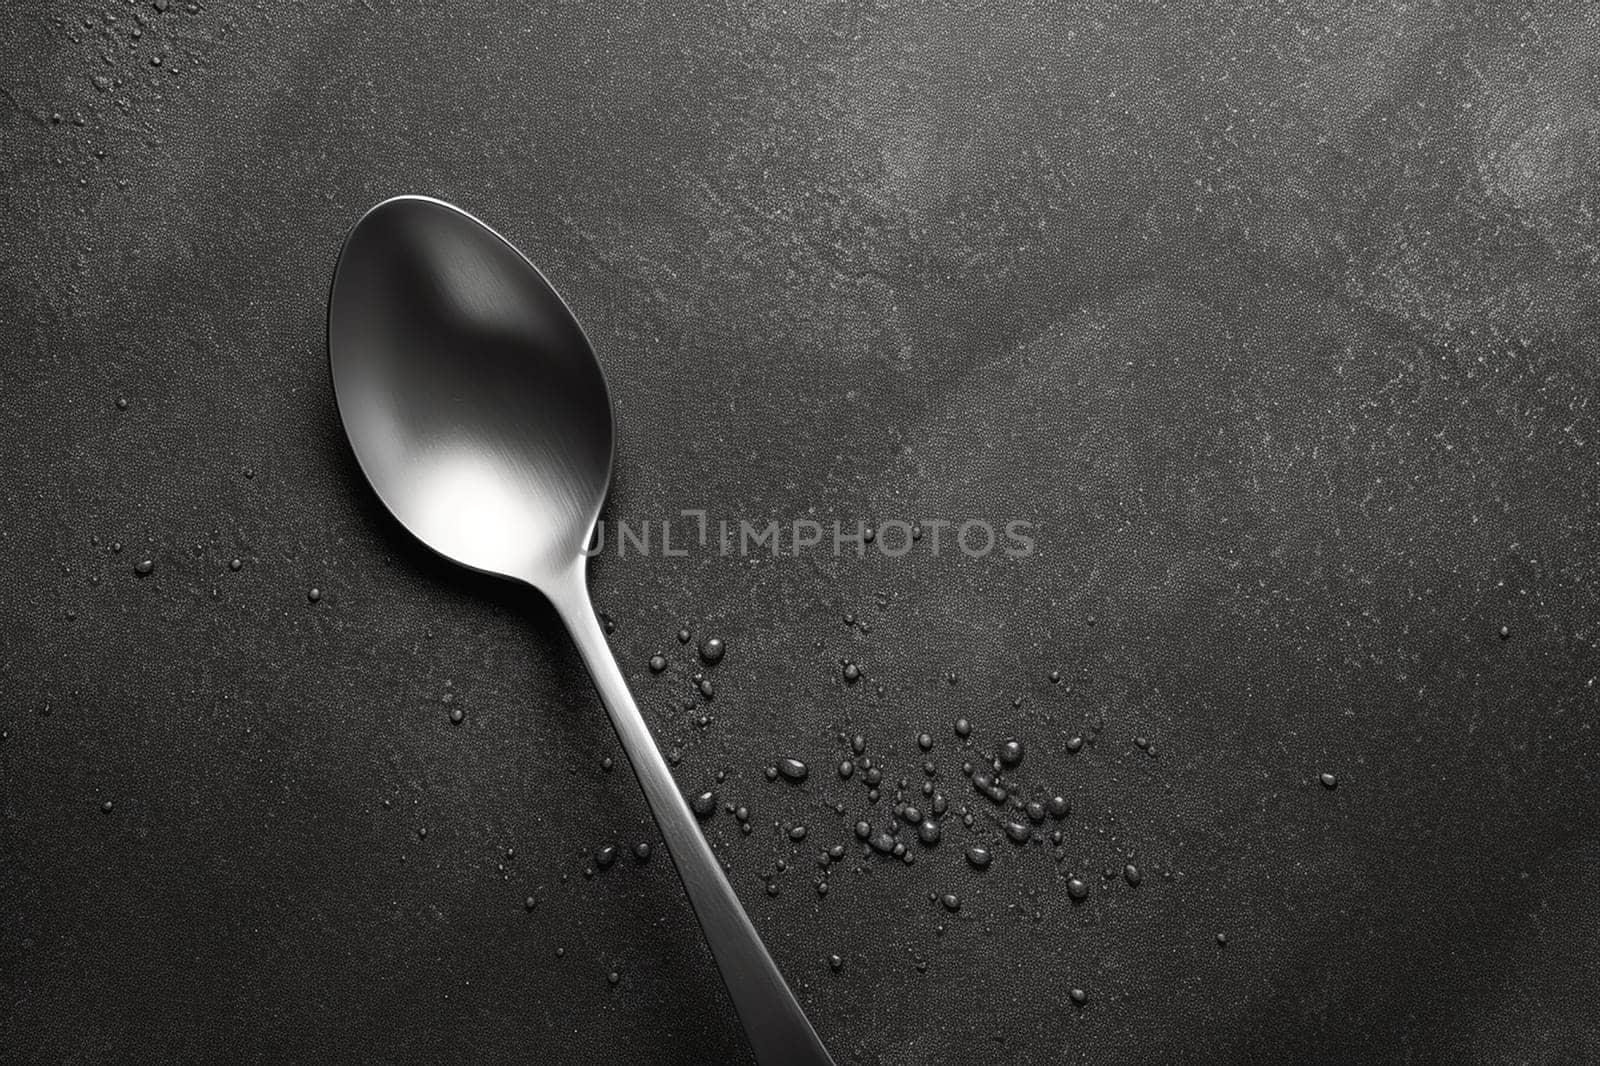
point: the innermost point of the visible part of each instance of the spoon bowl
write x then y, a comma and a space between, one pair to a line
471, 396
476, 408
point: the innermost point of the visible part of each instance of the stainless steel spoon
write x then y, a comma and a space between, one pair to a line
478, 412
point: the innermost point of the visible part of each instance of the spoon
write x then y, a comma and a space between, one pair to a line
479, 413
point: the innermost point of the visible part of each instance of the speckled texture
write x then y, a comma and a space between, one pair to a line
1280, 320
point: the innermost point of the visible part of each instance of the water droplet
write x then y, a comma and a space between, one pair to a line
1131, 874
835, 963
929, 832
606, 763
658, 663
1079, 997
1018, 832
235, 564
1328, 780
683, 636
1011, 752
613, 977
924, 741
106, 806
706, 689
797, 833
122, 403
885, 844
858, 743
963, 728
1035, 811
951, 901
641, 851
793, 769
911, 815
144, 567
530, 904
1055, 677
852, 673
979, 857
1222, 940
1505, 632
704, 805
986, 785
712, 650
1077, 889
1059, 807
846, 768
863, 830
456, 715
605, 856
314, 594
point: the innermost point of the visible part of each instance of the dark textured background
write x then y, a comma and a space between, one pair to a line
1279, 319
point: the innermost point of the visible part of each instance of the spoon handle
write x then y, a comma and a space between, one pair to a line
778, 1031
